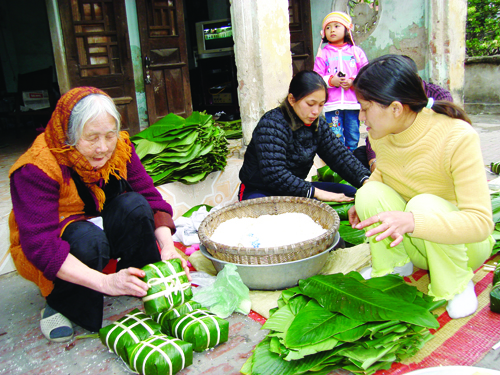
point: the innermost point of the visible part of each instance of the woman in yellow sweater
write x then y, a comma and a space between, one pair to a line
427, 203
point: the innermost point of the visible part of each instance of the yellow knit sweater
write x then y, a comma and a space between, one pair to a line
441, 156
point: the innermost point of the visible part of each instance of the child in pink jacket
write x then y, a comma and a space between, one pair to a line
338, 63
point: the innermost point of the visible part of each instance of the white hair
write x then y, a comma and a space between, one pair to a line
87, 109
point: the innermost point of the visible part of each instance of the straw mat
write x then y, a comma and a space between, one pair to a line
457, 342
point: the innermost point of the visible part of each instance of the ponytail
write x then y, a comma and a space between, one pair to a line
450, 109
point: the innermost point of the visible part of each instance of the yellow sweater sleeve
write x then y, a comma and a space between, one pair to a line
439, 156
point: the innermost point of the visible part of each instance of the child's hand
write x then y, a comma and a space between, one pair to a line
335, 80
346, 83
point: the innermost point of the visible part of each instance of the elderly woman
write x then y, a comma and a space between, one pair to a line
80, 197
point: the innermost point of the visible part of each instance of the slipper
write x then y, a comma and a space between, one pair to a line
58, 320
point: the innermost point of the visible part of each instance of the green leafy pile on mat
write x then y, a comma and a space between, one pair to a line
343, 322
495, 291
350, 235
162, 340
178, 149
495, 167
231, 128
495, 205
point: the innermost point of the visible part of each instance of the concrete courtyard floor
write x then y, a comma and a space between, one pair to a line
24, 350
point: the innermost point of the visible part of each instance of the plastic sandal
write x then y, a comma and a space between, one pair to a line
47, 325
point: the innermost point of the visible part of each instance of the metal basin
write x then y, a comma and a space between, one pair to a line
276, 276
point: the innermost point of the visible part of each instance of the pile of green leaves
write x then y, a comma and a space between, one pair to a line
350, 235
231, 128
178, 149
495, 204
338, 321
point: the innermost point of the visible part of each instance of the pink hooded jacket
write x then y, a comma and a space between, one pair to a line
348, 60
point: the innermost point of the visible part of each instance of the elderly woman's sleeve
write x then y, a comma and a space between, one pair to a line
35, 201
142, 183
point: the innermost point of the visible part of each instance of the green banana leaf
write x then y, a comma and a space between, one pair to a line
168, 284
306, 331
280, 320
351, 235
393, 285
311, 343
192, 210
178, 149
342, 208
358, 301
325, 174
165, 317
128, 330
160, 354
322, 346
144, 147
265, 362
201, 328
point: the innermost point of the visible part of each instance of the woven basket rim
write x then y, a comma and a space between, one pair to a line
266, 251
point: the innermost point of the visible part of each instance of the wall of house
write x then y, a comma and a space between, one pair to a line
482, 87
25, 43
135, 50
401, 29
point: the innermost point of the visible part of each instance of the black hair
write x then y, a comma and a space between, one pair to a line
410, 61
391, 78
306, 82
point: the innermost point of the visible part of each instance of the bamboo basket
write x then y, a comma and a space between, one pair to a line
320, 212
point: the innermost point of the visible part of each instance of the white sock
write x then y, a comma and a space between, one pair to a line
463, 304
366, 273
405, 270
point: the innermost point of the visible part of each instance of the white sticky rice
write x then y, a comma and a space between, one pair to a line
267, 230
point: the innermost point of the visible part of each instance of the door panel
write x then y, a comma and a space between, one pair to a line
300, 35
98, 52
165, 62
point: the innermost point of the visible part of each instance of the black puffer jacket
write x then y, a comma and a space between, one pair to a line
281, 154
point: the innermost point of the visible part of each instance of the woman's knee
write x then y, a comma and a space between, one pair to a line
430, 203
131, 205
88, 243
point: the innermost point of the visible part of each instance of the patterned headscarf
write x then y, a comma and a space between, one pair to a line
55, 136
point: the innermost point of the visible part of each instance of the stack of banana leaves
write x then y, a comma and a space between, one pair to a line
178, 149
350, 235
339, 321
231, 128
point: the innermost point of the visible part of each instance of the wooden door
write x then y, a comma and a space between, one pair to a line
301, 44
98, 52
165, 61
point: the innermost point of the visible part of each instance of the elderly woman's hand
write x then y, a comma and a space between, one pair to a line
125, 282
168, 251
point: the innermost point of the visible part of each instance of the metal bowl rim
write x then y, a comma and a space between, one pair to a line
205, 252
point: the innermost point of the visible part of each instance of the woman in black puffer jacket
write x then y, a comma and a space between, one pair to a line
285, 141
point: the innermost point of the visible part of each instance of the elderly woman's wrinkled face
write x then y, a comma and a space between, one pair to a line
98, 140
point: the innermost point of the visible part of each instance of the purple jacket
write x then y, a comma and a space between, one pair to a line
35, 201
